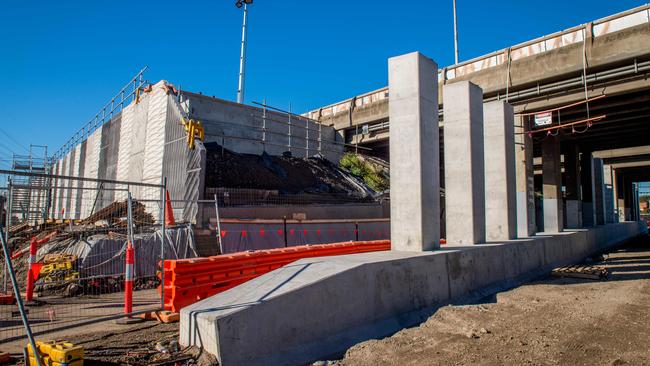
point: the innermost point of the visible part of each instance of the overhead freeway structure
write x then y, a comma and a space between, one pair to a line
609, 56
585, 89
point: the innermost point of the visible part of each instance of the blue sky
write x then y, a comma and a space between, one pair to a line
62, 60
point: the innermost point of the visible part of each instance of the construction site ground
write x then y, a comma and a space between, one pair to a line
552, 321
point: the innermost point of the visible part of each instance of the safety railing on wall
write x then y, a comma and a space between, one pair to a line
95, 256
126, 95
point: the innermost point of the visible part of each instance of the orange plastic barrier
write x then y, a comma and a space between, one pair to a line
190, 280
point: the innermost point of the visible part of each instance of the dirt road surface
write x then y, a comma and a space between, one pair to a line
548, 322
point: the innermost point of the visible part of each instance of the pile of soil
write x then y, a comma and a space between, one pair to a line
286, 174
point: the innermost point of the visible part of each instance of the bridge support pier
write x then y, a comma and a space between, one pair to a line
500, 180
608, 179
552, 180
414, 153
464, 165
573, 212
588, 189
525, 180
599, 191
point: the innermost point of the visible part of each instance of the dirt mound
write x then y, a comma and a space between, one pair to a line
286, 174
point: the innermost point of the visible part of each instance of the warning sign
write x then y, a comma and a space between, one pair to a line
543, 119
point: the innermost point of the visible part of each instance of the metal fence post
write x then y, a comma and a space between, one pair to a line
162, 243
216, 208
8, 214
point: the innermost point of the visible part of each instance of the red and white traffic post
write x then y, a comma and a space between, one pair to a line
128, 278
31, 276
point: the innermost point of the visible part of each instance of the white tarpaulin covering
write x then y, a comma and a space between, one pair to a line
100, 255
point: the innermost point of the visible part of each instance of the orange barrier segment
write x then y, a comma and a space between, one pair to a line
190, 280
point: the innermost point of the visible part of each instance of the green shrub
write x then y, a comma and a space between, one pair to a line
375, 179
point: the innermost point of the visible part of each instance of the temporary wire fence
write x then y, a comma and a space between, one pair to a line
243, 235
76, 255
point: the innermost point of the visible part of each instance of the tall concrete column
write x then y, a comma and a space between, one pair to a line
500, 180
552, 185
608, 181
464, 165
587, 187
620, 196
525, 180
572, 177
414, 153
599, 191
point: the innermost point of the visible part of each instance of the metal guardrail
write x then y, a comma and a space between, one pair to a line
577, 34
116, 104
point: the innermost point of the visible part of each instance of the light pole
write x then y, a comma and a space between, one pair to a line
242, 55
455, 35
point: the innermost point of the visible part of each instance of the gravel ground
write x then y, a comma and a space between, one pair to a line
549, 322
136, 345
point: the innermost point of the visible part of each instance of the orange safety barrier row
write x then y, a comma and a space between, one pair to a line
190, 280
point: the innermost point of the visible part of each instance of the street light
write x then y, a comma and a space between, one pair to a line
455, 35
242, 56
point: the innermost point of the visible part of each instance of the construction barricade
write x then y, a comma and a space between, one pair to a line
190, 280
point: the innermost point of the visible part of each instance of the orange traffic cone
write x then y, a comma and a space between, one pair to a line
169, 213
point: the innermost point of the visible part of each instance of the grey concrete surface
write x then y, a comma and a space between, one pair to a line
588, 189
414, 151
500, 179
525, 182
464, 165
552, 181
599, 192
608, 179
316, 308
573, 206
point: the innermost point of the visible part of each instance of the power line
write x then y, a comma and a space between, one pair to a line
13, 140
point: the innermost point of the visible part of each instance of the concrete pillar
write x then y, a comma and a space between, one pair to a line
599, 191
620, 196
525, 180
636, 209
587, 187
414, 153
552, 185
500, 180
608, 180
573, 212
464, 166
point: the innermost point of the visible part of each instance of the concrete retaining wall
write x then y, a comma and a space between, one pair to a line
146, 142
316, 308
244, 129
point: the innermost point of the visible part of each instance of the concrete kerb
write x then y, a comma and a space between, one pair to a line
318, 307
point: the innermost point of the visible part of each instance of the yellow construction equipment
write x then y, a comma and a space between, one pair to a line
58, 267
194, 130
57, 353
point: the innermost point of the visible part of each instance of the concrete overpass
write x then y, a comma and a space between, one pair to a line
609, 56
594, 79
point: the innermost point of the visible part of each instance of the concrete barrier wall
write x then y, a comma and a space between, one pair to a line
316, 308
244, 129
